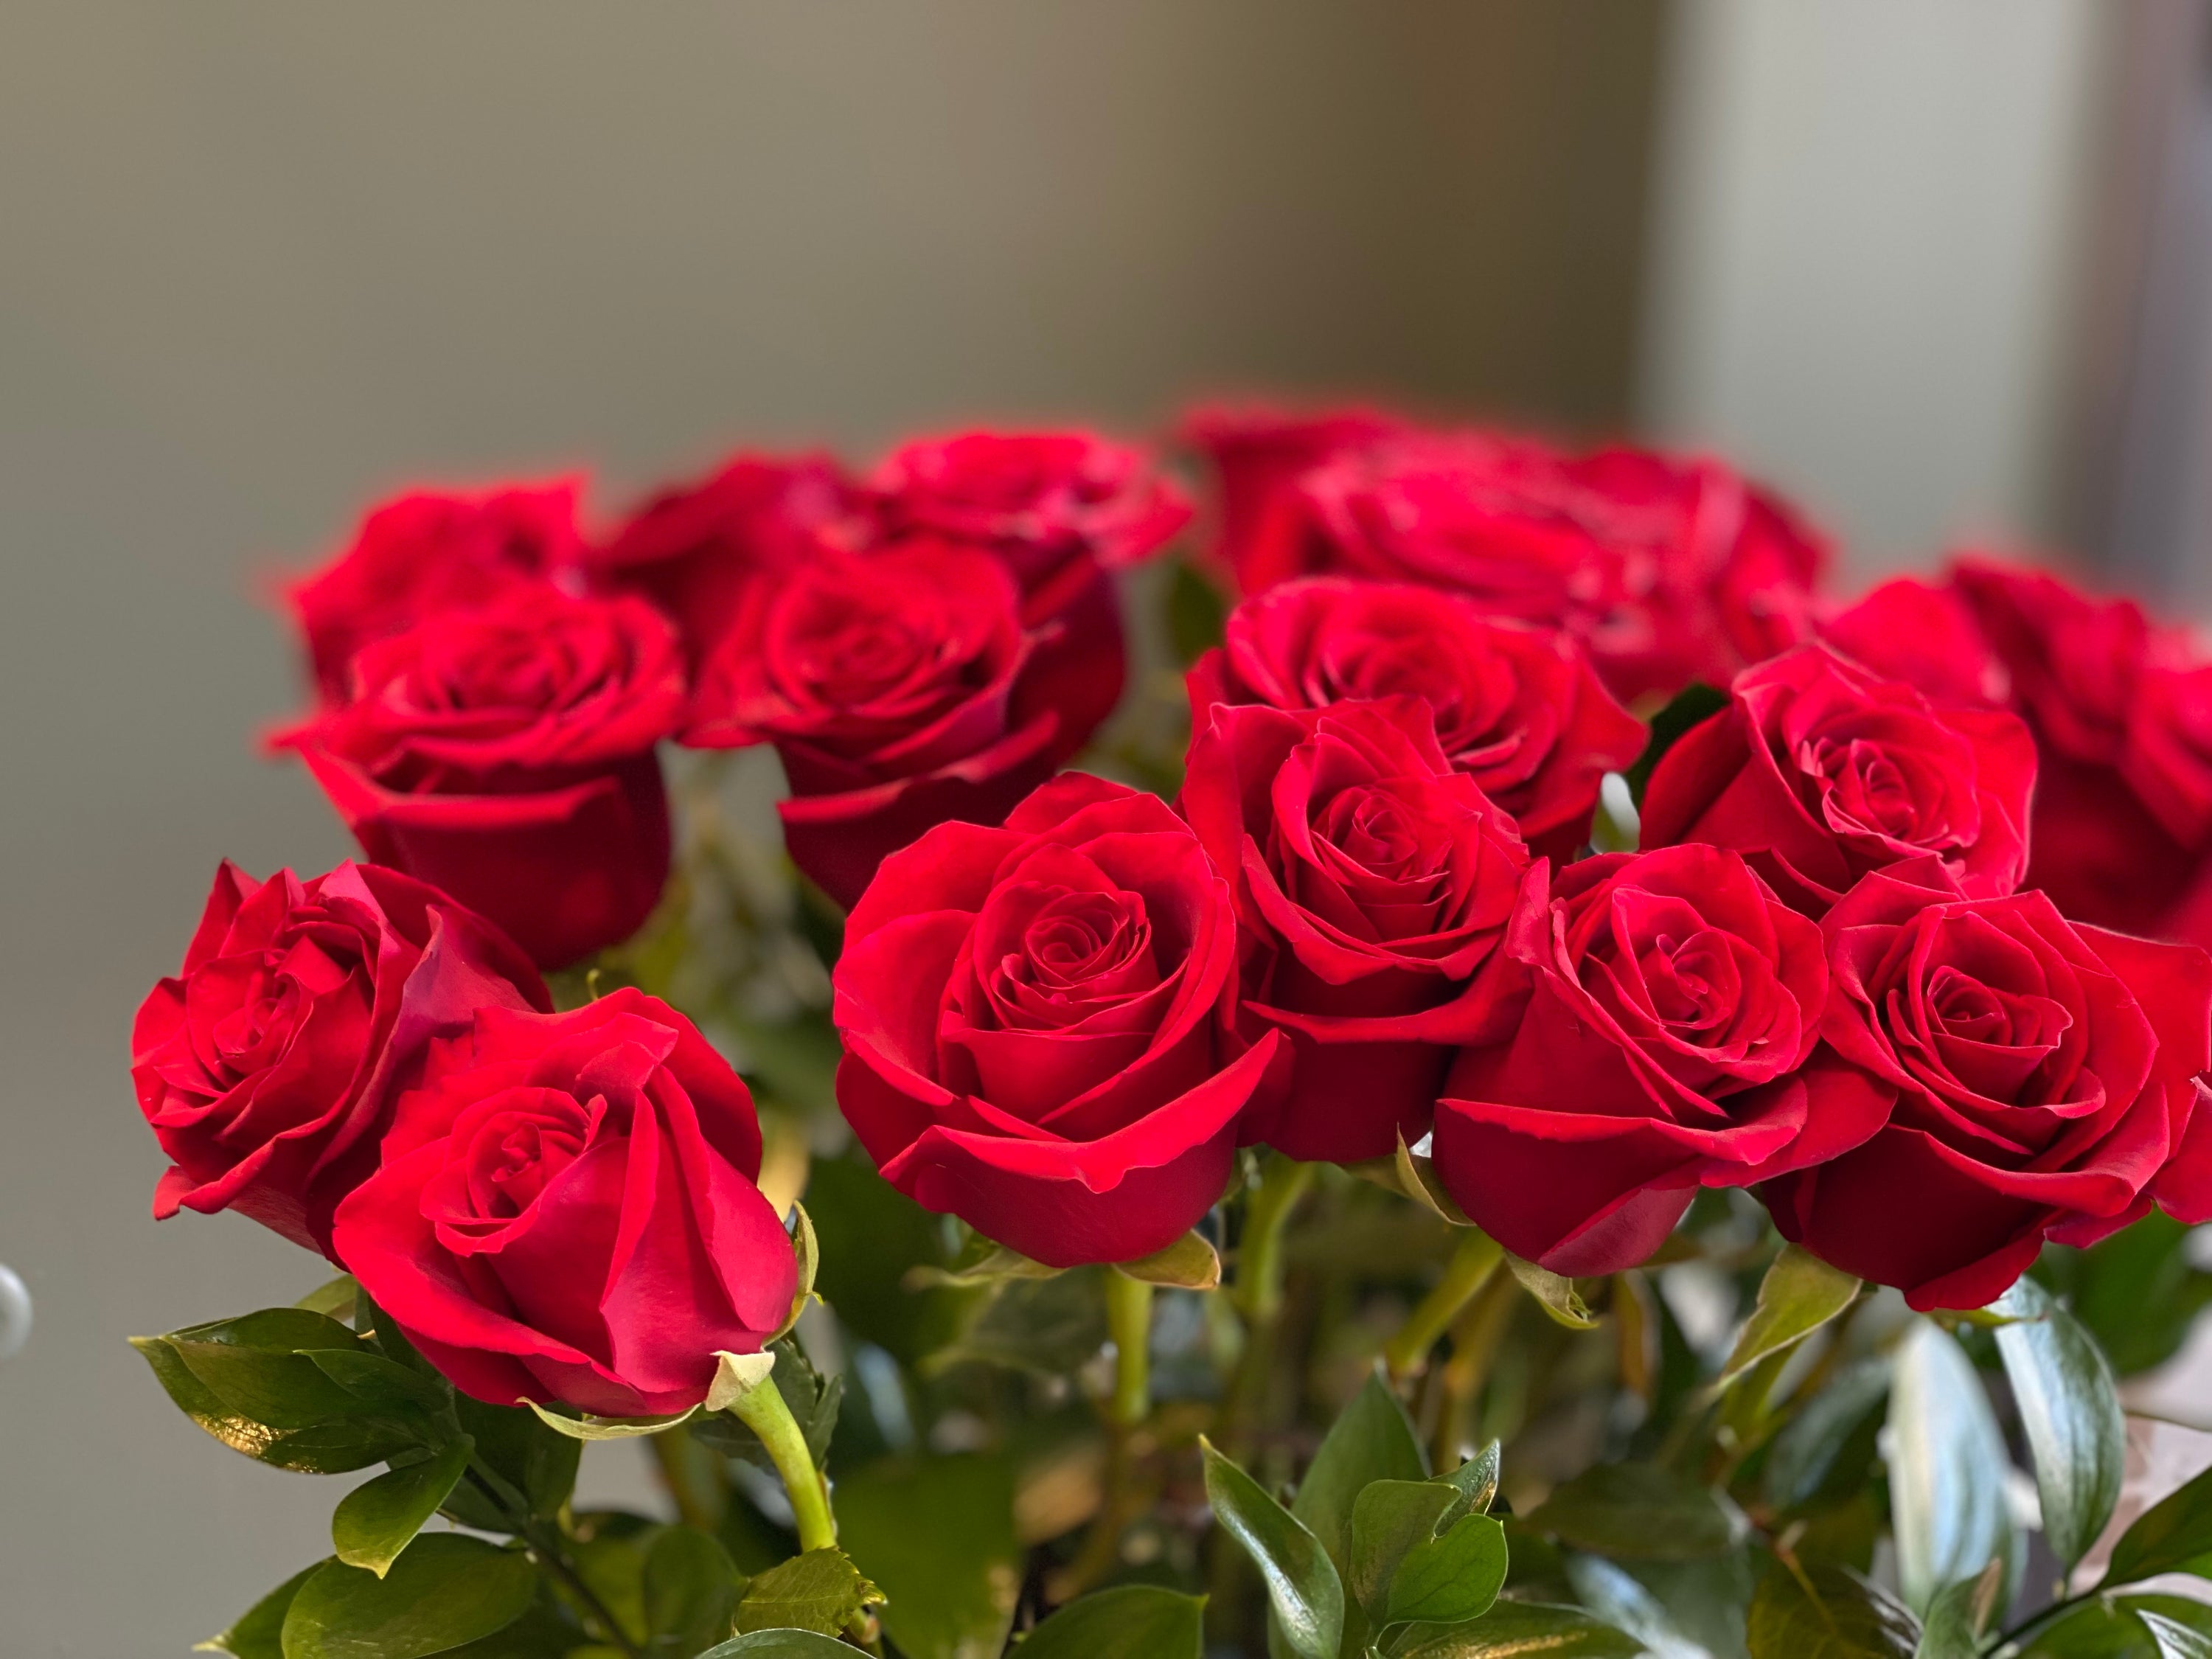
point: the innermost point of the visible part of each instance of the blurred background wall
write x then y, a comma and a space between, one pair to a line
260, 263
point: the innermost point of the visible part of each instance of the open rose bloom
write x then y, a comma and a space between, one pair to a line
1100, 1086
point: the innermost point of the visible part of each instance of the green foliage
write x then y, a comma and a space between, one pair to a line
1813, 1610
1800, 1294
780, 1644
1946, 1467
1694, 702
259, 1632
813, 1399
2173, 1536
2069, 1411
1512, 1629
445, 1591
1196, 612
1639, 1511
2135, 1293
821, 1591
688, 1590
377, 1520
1134, 1621
937, 1533
1303, 1589
1370, 1440
2112, 1627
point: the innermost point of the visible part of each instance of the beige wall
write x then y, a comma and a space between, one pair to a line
259, 262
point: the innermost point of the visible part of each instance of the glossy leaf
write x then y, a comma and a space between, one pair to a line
1303, 1585
1639, 1511
1818, 1611
378, 1384
2173, 1536
336, 1297
780, 1644
1372, 1439
1389, 1518
1800, 1294
2112, 1627
937, 1533
445, 1589
1511, 1629
378, 1519
1188, 1264
522, 1451
1694, 702
2175, 1639
2069, 1410
1449, 1579
1957, 1615
1946, 1469
1626, 1602
259, 1630
1133, 1621
821, 1591
689, 1590
330, 1448
1825, 1451
1475, 1480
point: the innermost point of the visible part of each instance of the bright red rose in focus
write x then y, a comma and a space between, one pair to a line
1373, 884
566, 1211
1668, 571
706, 552
899, 690
1517, 708
267, 1067
1038, 1023
505, 753
2040, 1079
1063, 510
1672, 1004
431, 551
1819, 771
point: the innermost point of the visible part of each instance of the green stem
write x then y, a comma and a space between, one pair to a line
1259, 1289
546, 1544
1473, 1260
2010, 1640
1129, 1322
761, 1408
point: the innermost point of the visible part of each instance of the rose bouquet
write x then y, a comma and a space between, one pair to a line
1548, 1088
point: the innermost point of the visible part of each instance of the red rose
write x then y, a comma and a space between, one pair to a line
268, 1065
505, 753
431, 551
1063, 509
703, 552
1819, 771
1036, 1022
1926, 635
1517, 708
898, 688
1258, 454
1672, 1000
1373, 884
2038, 1076
1667, 571
566, 1211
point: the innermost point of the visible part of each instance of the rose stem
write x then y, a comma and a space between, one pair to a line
1473, 1260
1129, 1322
1258, 1292
761, 1408
1474, 1338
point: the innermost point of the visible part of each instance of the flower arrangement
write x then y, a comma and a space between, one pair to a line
1557, 1091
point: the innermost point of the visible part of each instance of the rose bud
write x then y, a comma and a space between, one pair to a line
1667, 571
1517, 708
2040, 1079
704, 552
1672, 1004
268, 1065
431, 551
505, 753
1924, 634
1373, 885
1257, 453
1063, 509
1819, 771
899, 689
1038, 1024
566, 1211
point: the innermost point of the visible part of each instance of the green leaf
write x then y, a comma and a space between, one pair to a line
1197, 613
780, 1644
1800, 1294
2135, 1292
259, 1632
445, 1590
1826, 1450
812, 1399
1628, 1604
1694, 702
1303, 1586
1134, 1621
2069, 1410
1046, 1325
805, 1248
1388, 1519
869, 1233
937, 1533
990, 1265
1188, 1264
1415, 1175
1475, 1480
1372, 1439
1819, 1611
1946, 1469
1639, 1511
336, 1298
1513, 1629
377, 1520
1452, 1578
1556, 1296
2173, 1536
332, 1448
2112, 1627
2175, 1639
821, 1591
1957, 1615
689, 1590
255, 1366
380, 1384
533, 1459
